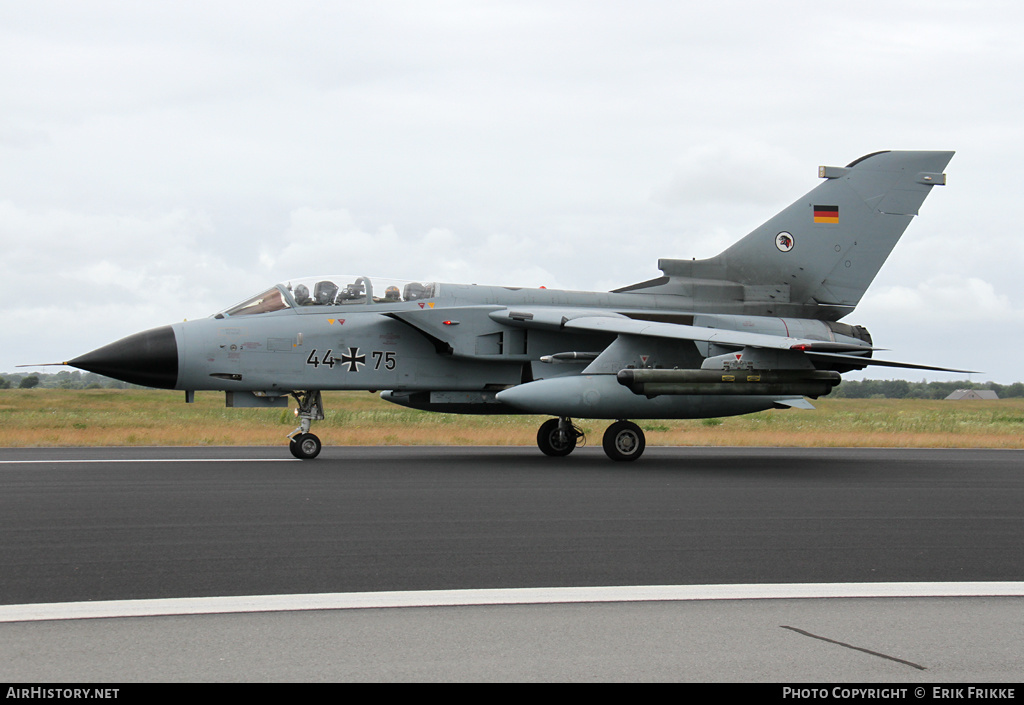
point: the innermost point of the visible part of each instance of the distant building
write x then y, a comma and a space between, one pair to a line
986, 394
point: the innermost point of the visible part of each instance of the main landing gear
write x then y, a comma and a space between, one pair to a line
558, 437
623, 440
303, 444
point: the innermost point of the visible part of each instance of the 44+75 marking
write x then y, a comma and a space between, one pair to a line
388, 359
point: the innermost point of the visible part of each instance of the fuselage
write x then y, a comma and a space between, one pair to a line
446, 341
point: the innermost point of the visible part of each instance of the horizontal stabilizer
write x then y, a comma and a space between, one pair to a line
869, 361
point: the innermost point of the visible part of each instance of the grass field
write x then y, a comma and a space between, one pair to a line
106, 417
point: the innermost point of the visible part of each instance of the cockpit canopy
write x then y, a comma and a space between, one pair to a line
338, 290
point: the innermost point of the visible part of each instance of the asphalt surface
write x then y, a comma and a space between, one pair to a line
130, 524
373, 519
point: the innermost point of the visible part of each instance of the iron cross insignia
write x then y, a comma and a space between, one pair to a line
353, 359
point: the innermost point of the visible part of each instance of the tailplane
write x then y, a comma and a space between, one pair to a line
817, 257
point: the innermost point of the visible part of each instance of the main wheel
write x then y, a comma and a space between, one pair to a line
305, 446
554, 441
624, 441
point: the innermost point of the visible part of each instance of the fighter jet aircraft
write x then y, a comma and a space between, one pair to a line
754, 328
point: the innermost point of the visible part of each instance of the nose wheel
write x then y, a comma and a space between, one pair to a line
305, 446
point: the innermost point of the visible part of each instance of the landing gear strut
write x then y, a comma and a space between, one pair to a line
303, 444
558, 437
624, 441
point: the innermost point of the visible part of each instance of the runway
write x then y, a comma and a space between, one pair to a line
134, 524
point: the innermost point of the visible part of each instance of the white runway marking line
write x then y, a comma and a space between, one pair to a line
511, 596
149, 460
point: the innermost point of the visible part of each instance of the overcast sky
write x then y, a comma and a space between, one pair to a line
163, 160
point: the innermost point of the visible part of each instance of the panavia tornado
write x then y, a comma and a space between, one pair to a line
753, 328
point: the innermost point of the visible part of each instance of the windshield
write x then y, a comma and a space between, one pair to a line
270, 300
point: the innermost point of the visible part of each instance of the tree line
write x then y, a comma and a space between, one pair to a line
849, 389
61, 380
902, 389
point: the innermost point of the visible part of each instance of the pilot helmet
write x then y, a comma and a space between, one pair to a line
301, 294
392, 294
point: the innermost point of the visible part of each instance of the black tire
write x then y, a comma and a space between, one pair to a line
553, 442
305, 446
624, 441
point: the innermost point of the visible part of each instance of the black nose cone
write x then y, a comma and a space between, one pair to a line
149, 358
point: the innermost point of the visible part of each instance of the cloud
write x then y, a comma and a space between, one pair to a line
328, 241
161, 161
80, 261
737, 175
947, 299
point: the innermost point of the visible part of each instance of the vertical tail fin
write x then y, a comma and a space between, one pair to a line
825, 249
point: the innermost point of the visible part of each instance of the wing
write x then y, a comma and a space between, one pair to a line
589, 320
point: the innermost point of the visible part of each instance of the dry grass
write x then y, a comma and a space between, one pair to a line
46, 417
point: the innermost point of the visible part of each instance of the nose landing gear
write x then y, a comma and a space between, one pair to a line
303, 444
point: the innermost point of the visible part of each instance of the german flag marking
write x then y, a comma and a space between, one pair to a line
826, 214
